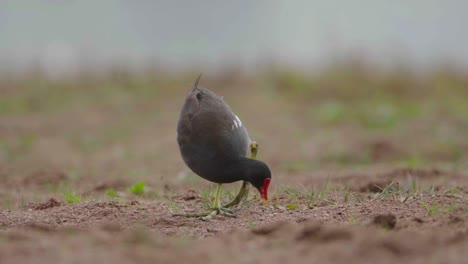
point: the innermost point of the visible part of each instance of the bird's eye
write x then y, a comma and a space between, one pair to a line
198, 96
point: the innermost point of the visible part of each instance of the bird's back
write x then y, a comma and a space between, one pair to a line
210, 135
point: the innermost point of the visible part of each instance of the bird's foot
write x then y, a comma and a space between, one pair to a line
219, 211
234, 202
210, 214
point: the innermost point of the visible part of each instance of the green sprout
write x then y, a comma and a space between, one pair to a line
72, 197
138, 188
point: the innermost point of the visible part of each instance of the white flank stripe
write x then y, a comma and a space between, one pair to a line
238, 120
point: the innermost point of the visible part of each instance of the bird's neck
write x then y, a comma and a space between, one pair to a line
241, 169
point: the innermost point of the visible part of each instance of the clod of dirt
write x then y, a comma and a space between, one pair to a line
455, 219
302, 220
270, 229
45, 177
49, 204
210, 230
190, 195
387, 221
418, 220
317, 232
375, 187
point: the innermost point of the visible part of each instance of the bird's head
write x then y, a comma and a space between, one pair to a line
200, 97
260, 177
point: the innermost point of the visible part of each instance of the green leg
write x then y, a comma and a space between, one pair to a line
243, 193
244, 190
253, 150
215, 210
216, 203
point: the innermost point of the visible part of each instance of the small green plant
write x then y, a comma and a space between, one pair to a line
435, 209
172, 204
385, 227
227, 193
431, 209
358, 198
315, 197
346, 194
413, 191
292, 207
390, 190
72, 197
138, 188
205, 194
432, 189
415, 161
453, 190
293, 193
112, 193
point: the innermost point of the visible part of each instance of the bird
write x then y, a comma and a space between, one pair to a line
214, 144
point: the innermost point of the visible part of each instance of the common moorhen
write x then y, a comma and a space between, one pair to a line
214, 144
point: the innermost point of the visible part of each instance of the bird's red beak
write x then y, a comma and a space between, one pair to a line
264, 190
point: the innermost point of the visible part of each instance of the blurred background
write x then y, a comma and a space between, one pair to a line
66, 36
90, 91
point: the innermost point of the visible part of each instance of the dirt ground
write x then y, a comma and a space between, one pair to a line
340, 193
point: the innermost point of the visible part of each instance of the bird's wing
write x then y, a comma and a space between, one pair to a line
224, 133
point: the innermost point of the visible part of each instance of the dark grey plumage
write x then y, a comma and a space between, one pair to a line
213, 141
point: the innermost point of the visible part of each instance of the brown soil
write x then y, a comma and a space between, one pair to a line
388, 230
325, 206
